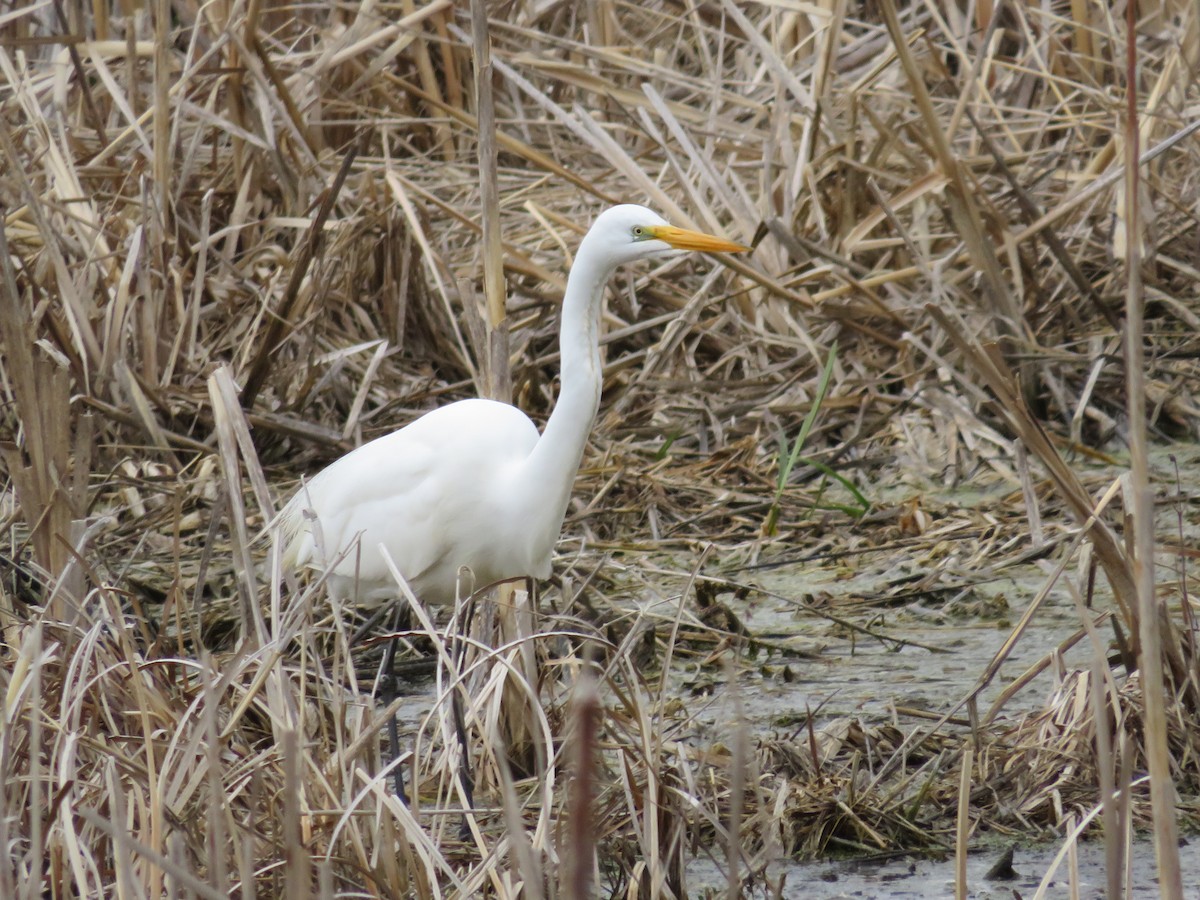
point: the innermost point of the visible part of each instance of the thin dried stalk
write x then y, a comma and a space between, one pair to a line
498, 379
1141, 504
963, 832
162, 180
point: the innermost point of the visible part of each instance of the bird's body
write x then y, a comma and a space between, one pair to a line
433, 493
473, 483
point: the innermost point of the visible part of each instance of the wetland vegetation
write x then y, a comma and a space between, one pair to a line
883, 542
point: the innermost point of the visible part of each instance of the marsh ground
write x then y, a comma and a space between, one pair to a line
241, 238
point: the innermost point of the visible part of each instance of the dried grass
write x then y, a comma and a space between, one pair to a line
241, 238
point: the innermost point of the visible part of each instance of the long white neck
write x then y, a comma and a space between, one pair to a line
551, 467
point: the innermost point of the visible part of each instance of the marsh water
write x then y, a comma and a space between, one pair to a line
905, 660
929, 879
926, 658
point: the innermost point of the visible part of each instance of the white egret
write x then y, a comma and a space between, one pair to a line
473, 483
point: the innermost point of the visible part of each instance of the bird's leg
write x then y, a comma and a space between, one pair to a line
391, 691
465, 774
464, 764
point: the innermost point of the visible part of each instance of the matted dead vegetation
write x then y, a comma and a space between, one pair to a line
240, 238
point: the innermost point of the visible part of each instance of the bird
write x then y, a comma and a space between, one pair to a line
474, 483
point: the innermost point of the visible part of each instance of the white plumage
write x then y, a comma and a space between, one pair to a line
473, 483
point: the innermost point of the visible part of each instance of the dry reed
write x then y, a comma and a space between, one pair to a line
240, 238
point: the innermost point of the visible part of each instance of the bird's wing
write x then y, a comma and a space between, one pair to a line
411, 490
380, 472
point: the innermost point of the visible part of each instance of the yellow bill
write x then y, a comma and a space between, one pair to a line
682, 239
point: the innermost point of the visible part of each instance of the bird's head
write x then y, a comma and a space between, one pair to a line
627, 233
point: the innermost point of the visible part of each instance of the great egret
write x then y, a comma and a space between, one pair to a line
473, 483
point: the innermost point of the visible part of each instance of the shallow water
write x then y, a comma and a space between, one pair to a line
938, 646
929, 660
847, 674
931, 656
899, 879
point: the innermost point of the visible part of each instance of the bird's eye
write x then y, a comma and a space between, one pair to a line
639, 231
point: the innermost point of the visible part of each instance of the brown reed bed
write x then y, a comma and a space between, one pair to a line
238, 239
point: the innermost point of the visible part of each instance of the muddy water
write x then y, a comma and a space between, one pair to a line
931, 655
927, 654
932, 649
922, 658
901, 879
918, 658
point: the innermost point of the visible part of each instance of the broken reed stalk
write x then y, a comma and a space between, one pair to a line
1031, 213
494, 352
49, 498
1114, 831
297, 858
963, 831
1012, 409
963, 208
581, 852
310, 248
1152, 611
233, 435
521, 855
737, 788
